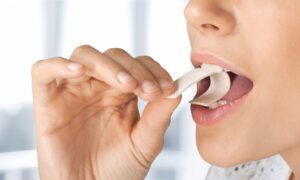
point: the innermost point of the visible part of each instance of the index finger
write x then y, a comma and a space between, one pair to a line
103, 68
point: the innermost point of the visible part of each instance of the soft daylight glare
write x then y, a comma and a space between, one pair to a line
21, 44
102, 24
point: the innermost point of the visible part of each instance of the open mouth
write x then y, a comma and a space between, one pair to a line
240, 86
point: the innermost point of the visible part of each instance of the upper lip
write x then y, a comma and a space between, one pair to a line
207, 57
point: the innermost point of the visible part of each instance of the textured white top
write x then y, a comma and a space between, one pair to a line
273, 168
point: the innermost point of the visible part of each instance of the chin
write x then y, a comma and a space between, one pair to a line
219, 155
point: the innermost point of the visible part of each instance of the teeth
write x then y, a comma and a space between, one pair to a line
217, 104
213, 105
218, 88
222, 102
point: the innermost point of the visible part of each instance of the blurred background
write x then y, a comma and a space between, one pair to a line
38, 29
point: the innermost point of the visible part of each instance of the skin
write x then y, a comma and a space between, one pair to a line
88, 125
260, 38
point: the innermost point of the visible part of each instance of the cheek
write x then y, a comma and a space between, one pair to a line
274, 44
271, 35
276, 55
269, 121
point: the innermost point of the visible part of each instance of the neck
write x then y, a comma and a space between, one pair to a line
292, 156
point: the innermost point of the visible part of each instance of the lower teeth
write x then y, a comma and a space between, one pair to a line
222, 102
217, 104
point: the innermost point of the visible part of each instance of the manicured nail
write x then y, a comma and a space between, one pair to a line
149, 87
73, 67
164, 84
124, 77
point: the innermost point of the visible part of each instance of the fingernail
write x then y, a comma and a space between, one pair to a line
124, 77
164, 84
73, 67
149, 87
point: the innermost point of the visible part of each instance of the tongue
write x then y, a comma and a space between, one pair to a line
239, 87
202, 86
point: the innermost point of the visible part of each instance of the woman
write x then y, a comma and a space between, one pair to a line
89, 127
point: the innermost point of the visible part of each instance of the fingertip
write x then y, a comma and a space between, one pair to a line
168, 87
75, 69
166, 84
178, 100
124, 78
149, 97
129, 86
173, 102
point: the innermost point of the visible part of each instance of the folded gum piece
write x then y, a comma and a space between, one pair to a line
219, 86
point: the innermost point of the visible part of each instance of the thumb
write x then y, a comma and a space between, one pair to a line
149, 132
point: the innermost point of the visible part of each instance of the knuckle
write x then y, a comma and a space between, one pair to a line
56, 60
136, 71
149, 61
81, 49
36, 66
140, 72
115, 51
145, 57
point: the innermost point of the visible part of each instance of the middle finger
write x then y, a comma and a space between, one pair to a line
148, 88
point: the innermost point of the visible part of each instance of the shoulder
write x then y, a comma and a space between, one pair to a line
267, 169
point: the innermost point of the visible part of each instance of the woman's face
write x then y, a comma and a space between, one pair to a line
259, 39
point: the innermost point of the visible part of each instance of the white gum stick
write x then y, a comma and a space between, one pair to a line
219, 85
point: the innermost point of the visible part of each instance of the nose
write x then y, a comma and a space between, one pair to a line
209, 17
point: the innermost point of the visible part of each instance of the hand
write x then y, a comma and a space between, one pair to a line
87, 120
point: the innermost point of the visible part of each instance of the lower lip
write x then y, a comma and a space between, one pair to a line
208, 117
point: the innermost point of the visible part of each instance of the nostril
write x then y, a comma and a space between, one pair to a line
210, 27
